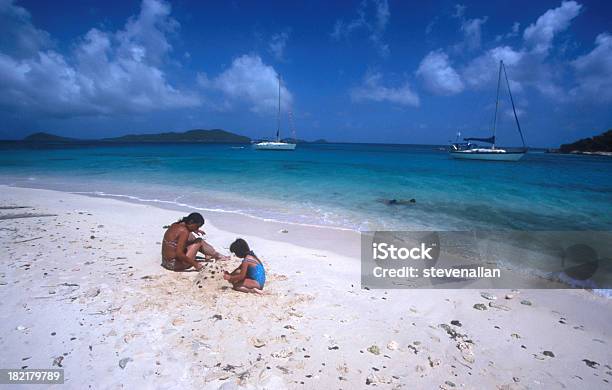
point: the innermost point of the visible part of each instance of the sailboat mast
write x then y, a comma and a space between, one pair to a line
291, 126
497, 102
514, 109
278, 119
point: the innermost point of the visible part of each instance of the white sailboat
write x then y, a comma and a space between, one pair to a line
278, 144
470, 151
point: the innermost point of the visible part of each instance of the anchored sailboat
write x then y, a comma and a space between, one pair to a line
470, 151
278, 144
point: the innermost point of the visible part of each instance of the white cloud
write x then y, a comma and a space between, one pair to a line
594, 72
18, 36
519, 112
514, 31
529, 65
148, 31
524, 69
459, 11
343, 29
277, 45
373, 19
248, 80
482, 71
430, 25
106, 73
471, 29
382, 19
27, 85
203, 80
438, 75
372, 90
539, 36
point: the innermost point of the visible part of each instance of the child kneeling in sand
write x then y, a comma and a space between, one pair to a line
250, 276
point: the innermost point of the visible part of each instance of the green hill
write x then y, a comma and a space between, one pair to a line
49, 138
198, 135
598, 143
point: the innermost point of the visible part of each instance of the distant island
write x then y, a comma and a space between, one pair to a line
197, 135
213, 136
597, 145
51, 138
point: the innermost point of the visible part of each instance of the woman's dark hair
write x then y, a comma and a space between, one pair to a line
195, 218
240, 248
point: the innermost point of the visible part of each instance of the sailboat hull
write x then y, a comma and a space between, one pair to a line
280, 146
488, 156
277, 145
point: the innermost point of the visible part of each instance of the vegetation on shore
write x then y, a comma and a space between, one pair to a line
598, 143
198, 135
51, 138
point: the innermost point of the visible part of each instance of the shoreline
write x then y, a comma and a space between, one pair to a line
127, 321
177, 205
340, 241
579, 153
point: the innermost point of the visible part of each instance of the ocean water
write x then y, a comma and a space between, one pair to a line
339, 185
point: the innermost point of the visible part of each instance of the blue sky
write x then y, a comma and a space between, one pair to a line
369, 71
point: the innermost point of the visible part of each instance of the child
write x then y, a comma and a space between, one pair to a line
250, 276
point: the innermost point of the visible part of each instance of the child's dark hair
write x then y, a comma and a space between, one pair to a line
240, 248
195, 218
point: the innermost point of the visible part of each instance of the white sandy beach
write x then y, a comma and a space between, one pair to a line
81, 288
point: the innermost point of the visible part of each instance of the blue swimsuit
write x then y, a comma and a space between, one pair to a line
257, 272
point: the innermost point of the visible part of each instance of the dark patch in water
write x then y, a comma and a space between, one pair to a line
398, 202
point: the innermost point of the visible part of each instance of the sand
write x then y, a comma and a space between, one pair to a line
81, 288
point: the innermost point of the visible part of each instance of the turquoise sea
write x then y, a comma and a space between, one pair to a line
339, 185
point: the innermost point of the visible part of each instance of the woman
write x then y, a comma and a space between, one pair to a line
250, 277
179, 250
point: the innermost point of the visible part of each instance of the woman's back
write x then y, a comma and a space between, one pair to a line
255, 269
